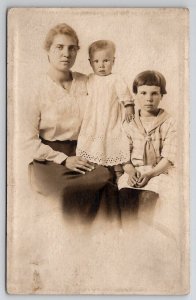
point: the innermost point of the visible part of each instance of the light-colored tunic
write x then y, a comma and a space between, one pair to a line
102, 139
162, 134
54, 114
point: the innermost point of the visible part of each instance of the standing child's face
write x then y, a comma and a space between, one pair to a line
149, 98
102, 62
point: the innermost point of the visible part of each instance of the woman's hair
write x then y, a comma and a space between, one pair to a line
150, 78
101, 45
59, 29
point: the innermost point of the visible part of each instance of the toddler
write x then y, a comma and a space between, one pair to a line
102, 139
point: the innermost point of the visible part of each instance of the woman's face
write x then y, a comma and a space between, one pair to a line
63, 52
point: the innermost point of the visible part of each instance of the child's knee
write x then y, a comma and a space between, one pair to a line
128, 200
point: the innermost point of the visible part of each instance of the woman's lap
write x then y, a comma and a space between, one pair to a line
80, 193
52, 178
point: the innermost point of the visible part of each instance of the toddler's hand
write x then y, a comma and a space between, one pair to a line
129, 113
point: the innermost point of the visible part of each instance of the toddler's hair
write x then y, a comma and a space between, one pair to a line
101, 45
150, 78
62, 28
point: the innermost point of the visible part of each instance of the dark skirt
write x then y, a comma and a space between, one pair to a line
80, 194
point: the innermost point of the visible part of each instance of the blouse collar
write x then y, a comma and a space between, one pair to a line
55, 84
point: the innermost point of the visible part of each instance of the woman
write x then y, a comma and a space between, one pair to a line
53, 127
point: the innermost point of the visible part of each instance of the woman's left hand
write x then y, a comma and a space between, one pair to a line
143, 180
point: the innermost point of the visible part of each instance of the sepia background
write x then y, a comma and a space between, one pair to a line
46, 252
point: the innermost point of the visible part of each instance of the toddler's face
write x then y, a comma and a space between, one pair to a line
102, 62
149, 98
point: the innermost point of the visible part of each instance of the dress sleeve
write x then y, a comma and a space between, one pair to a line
123, 92
127, 130
169, 142
34, 146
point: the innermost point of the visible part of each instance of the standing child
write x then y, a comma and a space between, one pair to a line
152, 136
101, 139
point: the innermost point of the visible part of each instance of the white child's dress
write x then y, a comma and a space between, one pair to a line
102, 139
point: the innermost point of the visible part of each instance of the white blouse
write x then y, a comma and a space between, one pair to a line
55, 113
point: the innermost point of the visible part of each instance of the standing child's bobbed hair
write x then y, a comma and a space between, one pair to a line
150, 78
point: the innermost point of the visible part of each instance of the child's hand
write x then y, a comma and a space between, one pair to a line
133, 177
143, 180
132, 172
129, 113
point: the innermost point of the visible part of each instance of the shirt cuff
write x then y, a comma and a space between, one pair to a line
129, 102
60, 158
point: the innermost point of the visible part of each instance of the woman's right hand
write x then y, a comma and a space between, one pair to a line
78, 164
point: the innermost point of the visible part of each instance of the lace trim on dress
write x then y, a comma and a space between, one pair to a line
101, 158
